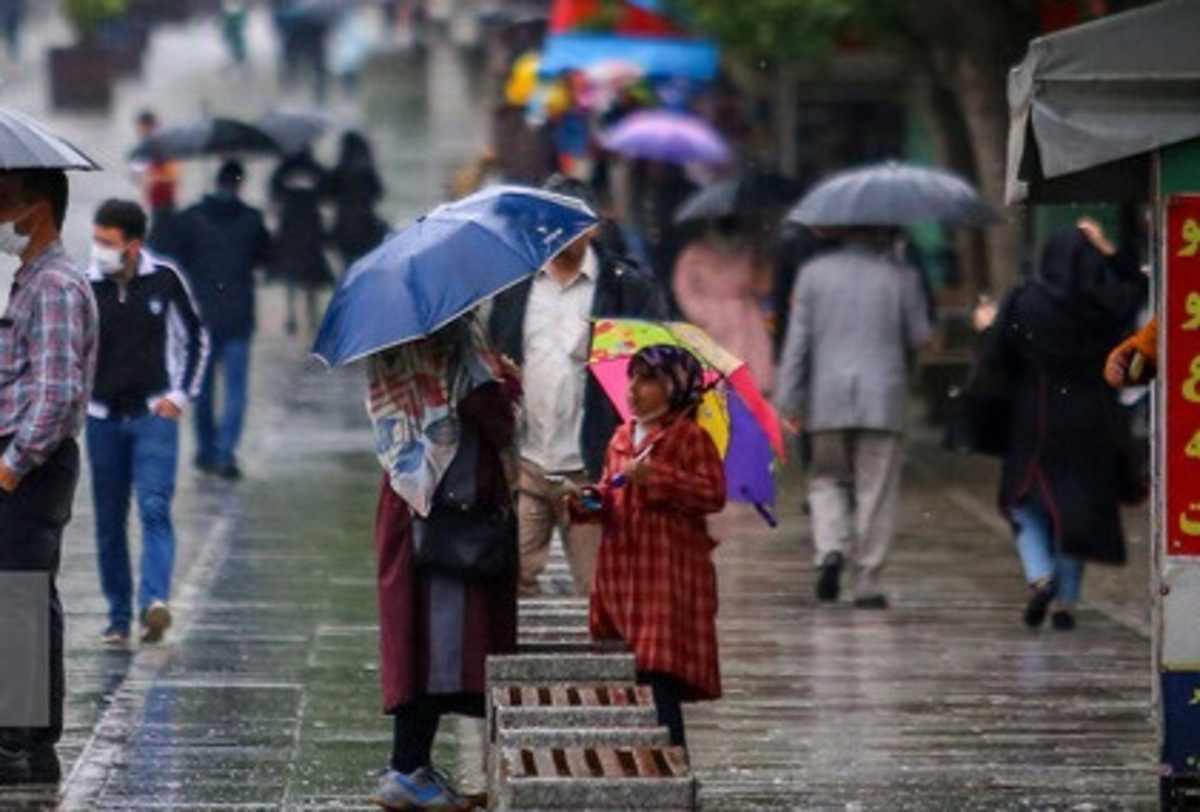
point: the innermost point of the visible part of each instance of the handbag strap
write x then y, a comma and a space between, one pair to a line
458, 486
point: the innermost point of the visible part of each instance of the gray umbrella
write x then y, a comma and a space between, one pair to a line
752, 193
293, 130
891, 194
26, 144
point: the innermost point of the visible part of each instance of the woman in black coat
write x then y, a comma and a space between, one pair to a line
1067, 468
355, 188
298, 185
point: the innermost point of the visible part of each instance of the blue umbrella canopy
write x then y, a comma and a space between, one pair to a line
443, 265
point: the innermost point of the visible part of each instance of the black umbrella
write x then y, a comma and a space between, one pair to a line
26, 144
891, 194
204, 137
293, 130
752, 193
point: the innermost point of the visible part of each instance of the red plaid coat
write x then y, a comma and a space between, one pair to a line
655, 586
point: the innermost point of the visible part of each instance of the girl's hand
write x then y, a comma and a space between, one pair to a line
637, 471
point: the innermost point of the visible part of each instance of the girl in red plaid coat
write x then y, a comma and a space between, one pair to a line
655, 587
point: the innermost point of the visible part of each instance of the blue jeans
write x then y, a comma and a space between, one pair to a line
217, 440
1039, 557
133, 455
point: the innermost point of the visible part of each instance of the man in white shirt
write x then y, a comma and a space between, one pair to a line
545, 326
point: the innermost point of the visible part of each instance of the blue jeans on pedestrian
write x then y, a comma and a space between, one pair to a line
217, 438
1039, 557
139, 456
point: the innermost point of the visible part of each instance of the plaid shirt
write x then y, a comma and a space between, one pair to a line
655, 585
48, 344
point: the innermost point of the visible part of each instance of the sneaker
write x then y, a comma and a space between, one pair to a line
423, 788
1062, 620
1039, 602
829, 581
229, 471
878, 601
115, 635
156, 619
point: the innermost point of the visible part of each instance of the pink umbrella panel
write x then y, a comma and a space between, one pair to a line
754, 444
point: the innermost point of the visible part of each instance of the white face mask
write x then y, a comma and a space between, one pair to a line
109, 260
11, 242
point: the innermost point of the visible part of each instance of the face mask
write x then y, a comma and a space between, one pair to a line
11, 242
109, 260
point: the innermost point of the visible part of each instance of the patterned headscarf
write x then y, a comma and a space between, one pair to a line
679, 371
413, 392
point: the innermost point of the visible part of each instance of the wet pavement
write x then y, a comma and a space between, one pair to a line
265, 694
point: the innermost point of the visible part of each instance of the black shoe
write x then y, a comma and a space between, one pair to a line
871, 602
829, 581
44, 767
1062, 620
1039, 603
230, 471
206, 468
14, 767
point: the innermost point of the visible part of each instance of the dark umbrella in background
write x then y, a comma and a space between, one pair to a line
753, 193
26, 144
206, 137
891, 194
293, 130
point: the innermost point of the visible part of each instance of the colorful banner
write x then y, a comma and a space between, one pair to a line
1181, 383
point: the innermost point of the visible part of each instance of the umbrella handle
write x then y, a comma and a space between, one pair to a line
766, 514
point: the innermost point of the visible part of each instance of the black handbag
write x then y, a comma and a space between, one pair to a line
465, 543
980, 411
458, 538
978, 422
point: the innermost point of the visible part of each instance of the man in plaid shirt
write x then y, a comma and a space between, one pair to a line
48, 344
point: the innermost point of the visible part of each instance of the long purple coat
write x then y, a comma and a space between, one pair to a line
434, 632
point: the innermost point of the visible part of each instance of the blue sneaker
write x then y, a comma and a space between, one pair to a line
421, 789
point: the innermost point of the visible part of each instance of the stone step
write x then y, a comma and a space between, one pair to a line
598, 778
573, 706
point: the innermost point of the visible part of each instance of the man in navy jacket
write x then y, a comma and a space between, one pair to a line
153, 351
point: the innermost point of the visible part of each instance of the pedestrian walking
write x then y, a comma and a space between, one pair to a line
222, 241
153, 350
1070, 462
722, 282
656, 586
857, 318
297, 187
436, 630
234, 15
12, 16
355, 188
48, 344
158, 176
543, 325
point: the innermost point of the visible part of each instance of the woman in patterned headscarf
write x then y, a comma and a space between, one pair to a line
436, 630
655, 587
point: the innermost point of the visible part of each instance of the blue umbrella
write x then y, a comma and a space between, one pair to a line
447, 262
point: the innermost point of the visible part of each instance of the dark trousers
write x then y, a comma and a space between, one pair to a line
32, 519
668, 699
415, 724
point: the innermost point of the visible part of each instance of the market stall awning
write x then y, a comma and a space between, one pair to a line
1089, 104
656, 56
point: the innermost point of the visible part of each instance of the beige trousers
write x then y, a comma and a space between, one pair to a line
540, 509
853, 487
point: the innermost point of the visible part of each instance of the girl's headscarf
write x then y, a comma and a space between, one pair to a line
413, 392
679, 371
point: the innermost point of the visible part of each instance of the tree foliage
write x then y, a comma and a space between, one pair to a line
87, 16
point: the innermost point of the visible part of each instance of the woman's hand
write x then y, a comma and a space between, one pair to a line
1095, 234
